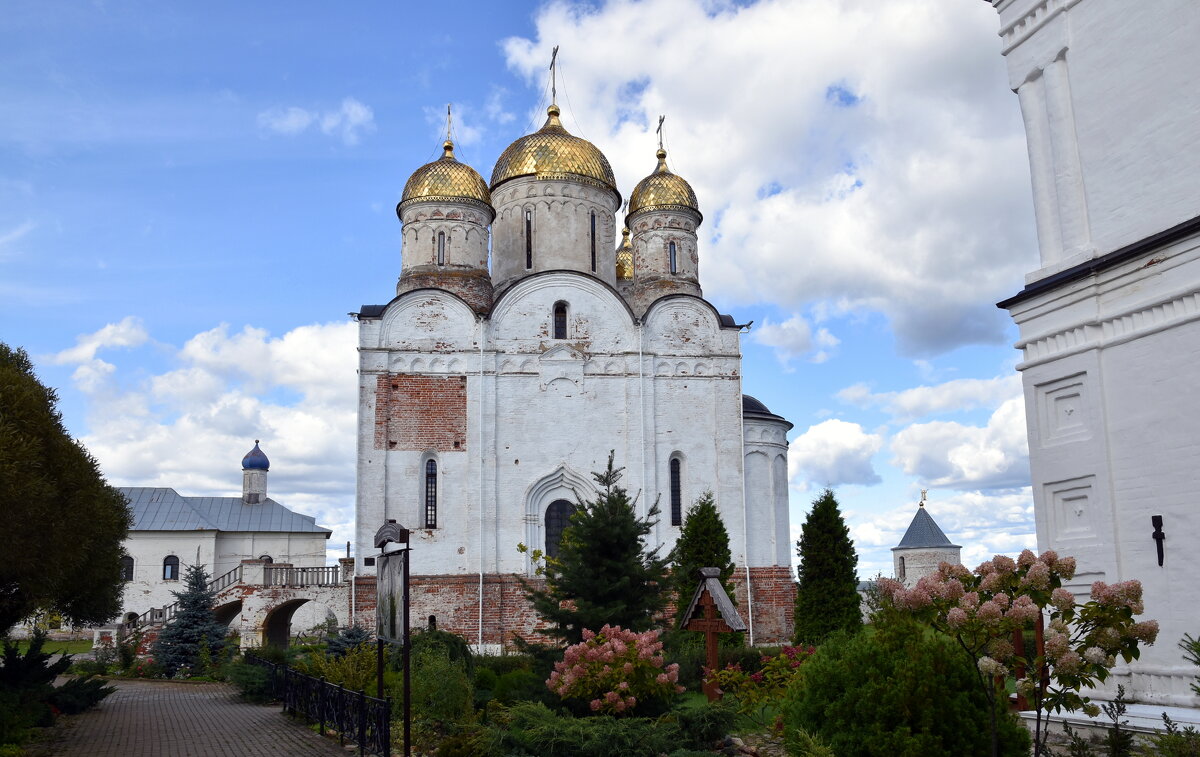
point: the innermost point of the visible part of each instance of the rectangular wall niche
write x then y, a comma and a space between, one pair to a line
1073, 512
1063, 412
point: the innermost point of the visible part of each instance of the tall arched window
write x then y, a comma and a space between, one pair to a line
528, 239
431, 494
441, 245
674, 258
560, 320
126, 568
558, 515
676, 492
170, 568
901, 576
593, 241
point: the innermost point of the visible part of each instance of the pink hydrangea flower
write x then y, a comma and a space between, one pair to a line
1062, 598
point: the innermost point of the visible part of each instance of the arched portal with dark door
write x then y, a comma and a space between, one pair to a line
277, 628
558, 515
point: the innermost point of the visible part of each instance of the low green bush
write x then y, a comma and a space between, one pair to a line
442, 698
533, 730
251, 681
503, 663
705, 723
898, 691
79, 694
90, 668
521, 685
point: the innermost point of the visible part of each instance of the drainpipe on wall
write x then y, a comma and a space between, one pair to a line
479, 402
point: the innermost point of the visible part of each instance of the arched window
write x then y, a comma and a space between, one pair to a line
126, 568
676, 492
558, 515
901, 576
674, 258
267, 559
560, 320
528, 239
593, 241
431, 494
441, 245
170, 568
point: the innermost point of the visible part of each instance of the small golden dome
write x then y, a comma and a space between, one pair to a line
446, 180
625, 257
553, 153
662, 190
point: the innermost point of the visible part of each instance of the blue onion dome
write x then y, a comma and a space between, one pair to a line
255, 459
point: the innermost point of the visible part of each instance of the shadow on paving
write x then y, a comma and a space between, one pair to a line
157, 718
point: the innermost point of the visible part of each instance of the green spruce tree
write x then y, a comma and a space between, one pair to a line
827, 593
193, 627
703, 543
603, 573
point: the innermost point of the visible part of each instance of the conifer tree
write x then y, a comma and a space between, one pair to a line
193, 626
603, 573
703, 543
827, 594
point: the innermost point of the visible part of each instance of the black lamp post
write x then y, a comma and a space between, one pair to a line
386, 627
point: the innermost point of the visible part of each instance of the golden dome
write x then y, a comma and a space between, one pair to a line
446, 180
625, 257
553, 153
662, 190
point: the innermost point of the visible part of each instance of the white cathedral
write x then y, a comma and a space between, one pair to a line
488, 394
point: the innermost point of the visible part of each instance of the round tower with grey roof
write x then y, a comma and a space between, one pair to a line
924, 546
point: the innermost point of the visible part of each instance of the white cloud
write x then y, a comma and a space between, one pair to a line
349, 121
188, 427
950, 396
128, 333
464, 132
794, 339
834, 452
948, 454
14, 234
494, 108
894, 182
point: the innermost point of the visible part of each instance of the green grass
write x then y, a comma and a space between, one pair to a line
63, 647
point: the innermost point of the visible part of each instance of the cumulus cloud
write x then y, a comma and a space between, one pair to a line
794, 339
128, 333
189, 426
895, 182
950, 396
834, 452
949, 454
348, 122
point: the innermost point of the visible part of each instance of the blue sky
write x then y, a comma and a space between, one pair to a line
192, 198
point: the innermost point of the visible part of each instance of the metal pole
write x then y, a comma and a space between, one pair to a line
378, 668
407, 665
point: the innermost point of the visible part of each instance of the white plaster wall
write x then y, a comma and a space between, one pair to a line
767, 513
1109, 98
465, 227
148, 548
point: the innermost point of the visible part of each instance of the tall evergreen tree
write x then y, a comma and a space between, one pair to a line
193, 625
703, 543
603, 573
827, 594
63, 524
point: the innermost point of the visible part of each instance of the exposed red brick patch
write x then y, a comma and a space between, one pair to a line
421, 412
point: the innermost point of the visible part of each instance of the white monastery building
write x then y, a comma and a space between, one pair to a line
489, 393
1110, 322
172, 532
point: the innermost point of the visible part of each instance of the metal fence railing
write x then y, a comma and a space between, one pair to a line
365, 721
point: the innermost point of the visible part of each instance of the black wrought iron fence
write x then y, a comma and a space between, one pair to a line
365, 721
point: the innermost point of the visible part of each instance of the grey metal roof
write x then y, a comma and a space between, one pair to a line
923, 533
164, 509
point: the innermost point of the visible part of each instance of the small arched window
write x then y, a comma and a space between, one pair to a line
431, 494
901, 576
676, 492
441, 247
126, 568
558, 516
560, 320
593, 241
528, 239
267, 559
673, 257
170, 568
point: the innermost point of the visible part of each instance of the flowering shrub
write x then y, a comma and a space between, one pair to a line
982, 608
146, 668
615, 669
757, 692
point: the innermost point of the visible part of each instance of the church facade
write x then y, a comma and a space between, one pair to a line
491, 386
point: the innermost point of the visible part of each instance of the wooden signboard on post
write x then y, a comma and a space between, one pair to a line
711, 612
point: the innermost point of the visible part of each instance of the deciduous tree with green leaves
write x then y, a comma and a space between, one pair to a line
703, 543
604, 573
64, 525
827, 597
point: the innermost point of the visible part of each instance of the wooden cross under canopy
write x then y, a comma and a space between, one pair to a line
712, 612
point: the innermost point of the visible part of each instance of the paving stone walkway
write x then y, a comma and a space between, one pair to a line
161, 719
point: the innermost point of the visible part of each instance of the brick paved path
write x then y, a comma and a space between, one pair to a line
167, 719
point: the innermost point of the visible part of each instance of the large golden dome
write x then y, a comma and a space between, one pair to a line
446, 180
662, 190
553, 153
